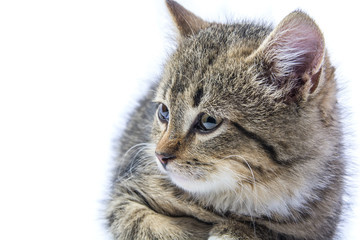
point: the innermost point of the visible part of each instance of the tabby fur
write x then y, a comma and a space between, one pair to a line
272, 169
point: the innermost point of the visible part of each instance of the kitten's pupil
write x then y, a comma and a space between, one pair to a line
208, 122
163, 113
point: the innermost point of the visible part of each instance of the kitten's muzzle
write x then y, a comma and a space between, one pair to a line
164, 158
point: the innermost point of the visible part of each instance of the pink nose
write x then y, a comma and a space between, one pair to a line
164, 158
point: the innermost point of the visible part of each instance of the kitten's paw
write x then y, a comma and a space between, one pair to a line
221, 238
232, 230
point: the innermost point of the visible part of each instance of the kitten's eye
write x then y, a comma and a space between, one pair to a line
208, 123
163, 113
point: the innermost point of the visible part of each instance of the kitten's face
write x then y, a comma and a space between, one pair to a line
206, 98
245, 109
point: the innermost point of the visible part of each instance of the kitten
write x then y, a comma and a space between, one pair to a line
242, 139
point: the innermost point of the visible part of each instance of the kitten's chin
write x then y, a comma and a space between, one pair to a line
185, 183
181, 181
207, 186
218, 182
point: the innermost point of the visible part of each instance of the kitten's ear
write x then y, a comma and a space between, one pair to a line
186, 22
294, 53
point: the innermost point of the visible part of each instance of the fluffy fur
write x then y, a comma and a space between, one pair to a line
271, 169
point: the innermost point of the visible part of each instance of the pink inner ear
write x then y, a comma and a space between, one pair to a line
297, 46
305, 43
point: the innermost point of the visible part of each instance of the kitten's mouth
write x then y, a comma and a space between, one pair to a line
177, 178
195, 181
164, 158
162, 166
189, 183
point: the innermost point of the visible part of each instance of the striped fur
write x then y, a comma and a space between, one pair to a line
270, 167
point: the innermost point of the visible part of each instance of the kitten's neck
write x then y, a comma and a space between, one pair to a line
282, 197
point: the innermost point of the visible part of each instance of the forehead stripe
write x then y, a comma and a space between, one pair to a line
197, 97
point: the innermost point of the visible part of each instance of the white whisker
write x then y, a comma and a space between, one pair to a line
134, 155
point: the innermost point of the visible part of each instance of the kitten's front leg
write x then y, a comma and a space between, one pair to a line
132, 220
232, 230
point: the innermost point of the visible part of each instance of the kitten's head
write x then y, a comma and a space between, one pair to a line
243, 104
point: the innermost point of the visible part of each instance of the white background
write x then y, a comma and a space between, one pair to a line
70, 72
